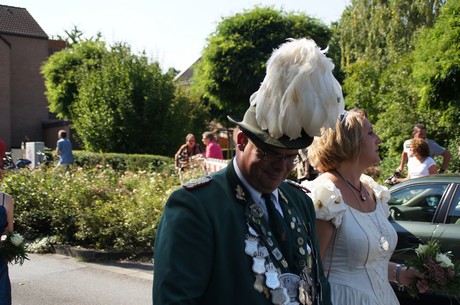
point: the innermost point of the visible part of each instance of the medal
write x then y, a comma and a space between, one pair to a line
384, 243
272, 277
279, 295
252, 231
251, 245
264, 251
291, 282
258, 265
259, 283
256, 210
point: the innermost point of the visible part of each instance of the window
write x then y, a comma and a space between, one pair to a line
453, 216
416, 202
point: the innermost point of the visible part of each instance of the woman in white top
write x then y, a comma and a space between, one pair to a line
422, 164
356, 238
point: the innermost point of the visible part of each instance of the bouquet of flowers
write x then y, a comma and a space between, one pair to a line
12, 249
437, 267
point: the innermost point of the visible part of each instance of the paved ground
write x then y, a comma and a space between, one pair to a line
58, 279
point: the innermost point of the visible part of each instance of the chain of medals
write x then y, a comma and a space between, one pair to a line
383, 241
270, 268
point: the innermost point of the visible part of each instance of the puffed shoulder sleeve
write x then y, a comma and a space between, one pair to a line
327, 200
382, 194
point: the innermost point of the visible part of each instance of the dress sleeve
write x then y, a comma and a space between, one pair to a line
382, 194
327, 200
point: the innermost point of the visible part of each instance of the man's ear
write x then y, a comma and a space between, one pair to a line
241, 140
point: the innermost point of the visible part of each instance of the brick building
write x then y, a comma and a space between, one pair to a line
24, 46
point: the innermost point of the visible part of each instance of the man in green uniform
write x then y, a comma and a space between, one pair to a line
245, 235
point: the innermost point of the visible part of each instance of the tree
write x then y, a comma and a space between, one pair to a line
437, 73
375, 35
127, 105
232, 65
62, 73
119, 101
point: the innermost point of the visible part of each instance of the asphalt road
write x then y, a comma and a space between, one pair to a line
54, 279
57, 279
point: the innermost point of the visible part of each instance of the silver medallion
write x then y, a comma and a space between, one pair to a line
258, 265
256, 210
252, 231
272, 277
251, 245
384, 243
291, 282
264, 251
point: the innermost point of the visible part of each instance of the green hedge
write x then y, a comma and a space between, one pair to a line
94, 205
123, 162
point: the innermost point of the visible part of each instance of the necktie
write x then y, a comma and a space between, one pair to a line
279, 227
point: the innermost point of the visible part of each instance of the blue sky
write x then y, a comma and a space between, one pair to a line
173, 32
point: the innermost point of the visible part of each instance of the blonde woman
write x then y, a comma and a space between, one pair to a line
356, 239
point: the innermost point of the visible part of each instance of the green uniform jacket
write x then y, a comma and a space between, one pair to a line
199, 251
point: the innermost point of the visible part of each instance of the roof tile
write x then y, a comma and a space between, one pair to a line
18, 21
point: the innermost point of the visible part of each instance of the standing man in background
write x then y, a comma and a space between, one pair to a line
64, 149
419, 131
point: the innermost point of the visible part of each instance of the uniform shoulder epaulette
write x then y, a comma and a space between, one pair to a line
196, 183
298, 185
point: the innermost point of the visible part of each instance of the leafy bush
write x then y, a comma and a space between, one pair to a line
124, 162
93, 207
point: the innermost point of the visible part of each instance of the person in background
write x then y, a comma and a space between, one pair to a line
2, 153
419, 131
186, 151
244, 235
357, 240
64, 149
213, 149
304, 169
6, 226
422, 164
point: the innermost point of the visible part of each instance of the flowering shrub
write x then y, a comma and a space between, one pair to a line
12, 249
439, 270
98, 208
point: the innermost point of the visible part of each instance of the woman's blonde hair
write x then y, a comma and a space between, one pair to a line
342, 144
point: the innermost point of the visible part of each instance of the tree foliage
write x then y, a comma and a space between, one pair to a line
119, 101
233, 62
63, 70
375, 35
401, 61
437, 71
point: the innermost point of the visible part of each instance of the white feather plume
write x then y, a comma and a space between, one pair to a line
298, 92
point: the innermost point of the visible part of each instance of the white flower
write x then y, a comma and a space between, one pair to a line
444, 260
16, 239
421, 250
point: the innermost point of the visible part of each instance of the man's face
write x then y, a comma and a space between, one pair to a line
265, 167
420, 133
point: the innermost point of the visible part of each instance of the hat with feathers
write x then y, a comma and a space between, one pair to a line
297, 98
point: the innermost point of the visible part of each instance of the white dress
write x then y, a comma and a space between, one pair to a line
359, 270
